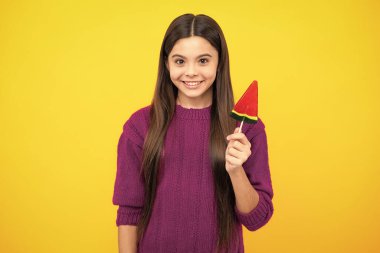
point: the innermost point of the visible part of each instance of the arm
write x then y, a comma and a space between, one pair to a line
247, 197
251, 179
127, 238
128, 189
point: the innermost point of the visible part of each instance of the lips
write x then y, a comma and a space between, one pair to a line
192, 83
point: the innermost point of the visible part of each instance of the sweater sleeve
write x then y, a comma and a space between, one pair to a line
129, 185
257, 170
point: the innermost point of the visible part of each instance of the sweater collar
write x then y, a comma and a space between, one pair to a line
193, 113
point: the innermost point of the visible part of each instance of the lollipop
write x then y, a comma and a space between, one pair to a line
246, 107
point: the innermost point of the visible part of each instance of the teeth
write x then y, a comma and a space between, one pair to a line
192, 83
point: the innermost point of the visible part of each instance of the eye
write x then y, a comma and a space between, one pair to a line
204, 60
176, 61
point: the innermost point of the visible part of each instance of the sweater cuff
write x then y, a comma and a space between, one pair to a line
127, 215
256, 218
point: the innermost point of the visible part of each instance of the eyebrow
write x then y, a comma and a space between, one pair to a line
185, 57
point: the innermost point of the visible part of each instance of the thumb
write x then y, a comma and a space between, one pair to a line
235, 131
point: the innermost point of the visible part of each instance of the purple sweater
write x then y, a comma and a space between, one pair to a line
184, 212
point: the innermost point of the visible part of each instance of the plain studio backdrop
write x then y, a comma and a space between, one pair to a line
72, 72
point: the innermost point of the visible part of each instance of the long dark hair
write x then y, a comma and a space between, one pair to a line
162, 110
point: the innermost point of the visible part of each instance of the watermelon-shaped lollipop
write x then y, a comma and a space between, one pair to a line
246, 107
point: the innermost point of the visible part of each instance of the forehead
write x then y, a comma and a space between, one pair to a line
193, 46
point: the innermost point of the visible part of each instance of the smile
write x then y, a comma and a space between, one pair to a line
192, 84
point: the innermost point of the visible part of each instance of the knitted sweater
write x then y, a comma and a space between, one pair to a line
183, 217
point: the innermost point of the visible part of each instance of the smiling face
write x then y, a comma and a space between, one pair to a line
192, 64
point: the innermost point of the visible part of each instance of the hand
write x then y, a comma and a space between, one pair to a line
237, 152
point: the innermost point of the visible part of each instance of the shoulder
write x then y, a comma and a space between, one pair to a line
136, 126
140, 116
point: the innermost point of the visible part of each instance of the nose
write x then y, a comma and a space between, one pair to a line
191, 70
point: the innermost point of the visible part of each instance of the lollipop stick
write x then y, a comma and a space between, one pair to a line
241, 125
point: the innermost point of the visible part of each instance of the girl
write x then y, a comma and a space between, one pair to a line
186, 179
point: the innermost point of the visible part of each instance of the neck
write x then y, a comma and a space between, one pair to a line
195, 105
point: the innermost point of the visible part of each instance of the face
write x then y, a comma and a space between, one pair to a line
192, 64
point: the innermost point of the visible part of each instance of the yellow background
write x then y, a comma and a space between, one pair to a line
72, 72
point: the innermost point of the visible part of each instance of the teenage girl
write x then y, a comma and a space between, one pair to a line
186, 179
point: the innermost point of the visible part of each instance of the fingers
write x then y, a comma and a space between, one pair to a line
237, 145
234, 152
239, 136
238, 149
238, 154
232, 160
237, 160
